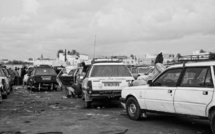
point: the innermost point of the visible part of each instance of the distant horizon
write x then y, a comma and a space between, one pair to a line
106, 55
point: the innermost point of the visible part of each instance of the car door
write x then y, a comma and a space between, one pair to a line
159, 95
194, 92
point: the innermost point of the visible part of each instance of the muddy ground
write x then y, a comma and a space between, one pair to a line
50, 112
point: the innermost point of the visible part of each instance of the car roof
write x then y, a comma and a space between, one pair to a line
109, 63
197, 64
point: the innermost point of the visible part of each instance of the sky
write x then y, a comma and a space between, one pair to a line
29, 28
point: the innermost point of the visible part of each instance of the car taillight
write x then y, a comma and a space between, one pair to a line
89, 86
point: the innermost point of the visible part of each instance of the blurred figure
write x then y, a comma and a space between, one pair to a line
23, 72
16, 76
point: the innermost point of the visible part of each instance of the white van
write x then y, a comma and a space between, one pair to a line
105, 80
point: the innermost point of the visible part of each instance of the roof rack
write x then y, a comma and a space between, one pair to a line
105, 60
196, 58
43, 65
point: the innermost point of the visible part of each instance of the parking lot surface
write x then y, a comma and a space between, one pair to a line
50, 112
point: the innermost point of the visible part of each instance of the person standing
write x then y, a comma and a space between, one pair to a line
158, 68
23, 72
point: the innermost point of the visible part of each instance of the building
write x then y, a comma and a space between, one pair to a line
72, 60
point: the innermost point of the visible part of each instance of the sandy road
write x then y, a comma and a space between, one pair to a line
26, 112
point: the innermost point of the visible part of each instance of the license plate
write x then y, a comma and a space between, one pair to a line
111, 84
46, 78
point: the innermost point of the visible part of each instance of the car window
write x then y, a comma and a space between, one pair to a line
133, 70
87, 72
2, 73
45, 71
143, 70
5, 72
168, 78
197, 77
110, 71
33, 72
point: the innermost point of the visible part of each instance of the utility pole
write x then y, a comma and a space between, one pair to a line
65, 55
94, 47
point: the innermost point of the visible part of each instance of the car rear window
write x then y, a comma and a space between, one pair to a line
110, 71
45, 71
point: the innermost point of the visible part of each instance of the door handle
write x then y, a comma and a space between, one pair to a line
169, 91
205, 92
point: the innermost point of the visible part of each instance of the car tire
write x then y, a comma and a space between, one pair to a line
133, 109
88, 104
213, 121
4, 96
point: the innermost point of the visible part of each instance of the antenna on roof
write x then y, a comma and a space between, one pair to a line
94, 47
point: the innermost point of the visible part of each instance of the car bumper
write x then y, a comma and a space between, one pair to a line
100, 96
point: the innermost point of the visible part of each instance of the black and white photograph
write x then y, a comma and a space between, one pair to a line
107, 67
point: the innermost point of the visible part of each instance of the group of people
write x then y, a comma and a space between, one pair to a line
19, 75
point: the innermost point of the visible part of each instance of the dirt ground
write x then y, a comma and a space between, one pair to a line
50, 112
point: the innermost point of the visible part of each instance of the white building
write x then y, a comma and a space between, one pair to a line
73, 60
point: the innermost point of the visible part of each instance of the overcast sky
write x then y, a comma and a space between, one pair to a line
29, 28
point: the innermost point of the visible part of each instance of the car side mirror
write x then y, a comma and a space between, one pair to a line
149, 82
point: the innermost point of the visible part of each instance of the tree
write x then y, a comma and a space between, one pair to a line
30, 59
132, 56
73, 52
59, 51
77, 54
212, 56
68, 52
202, 51
178, 56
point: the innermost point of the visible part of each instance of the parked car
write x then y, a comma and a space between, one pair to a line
105, 79
71, 77
43, 76
181, 90
9, 77
139, 70
4, 85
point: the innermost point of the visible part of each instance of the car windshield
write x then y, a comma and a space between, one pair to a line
45, 71
110, 71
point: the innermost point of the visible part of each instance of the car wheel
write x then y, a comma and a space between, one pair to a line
88, 104
213, 121
4, 96
133, 109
